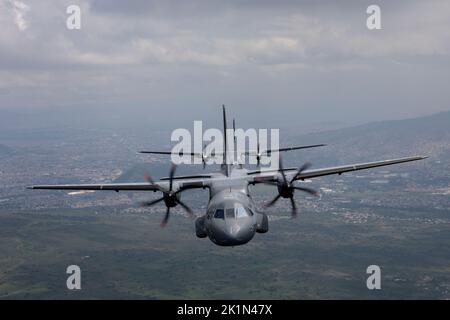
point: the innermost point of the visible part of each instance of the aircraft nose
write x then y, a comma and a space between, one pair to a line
241, 231
235, 230
233, 233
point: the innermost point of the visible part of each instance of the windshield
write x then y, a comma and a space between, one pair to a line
229, 213
238, 211
241, 212
219, 214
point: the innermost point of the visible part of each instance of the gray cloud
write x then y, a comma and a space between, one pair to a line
19, 11
312, 60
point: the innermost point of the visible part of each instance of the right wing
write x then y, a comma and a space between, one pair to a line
352, 167
259, 176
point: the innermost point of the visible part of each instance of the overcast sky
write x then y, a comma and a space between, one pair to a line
284, 60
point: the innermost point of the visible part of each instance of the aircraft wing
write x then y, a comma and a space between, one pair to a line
143, 186
140, 186
170, 152
261, 176
293, 148
194, 154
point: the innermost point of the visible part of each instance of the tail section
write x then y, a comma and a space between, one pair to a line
225, 144
234, 137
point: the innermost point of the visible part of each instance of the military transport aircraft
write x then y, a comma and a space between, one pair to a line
231, 217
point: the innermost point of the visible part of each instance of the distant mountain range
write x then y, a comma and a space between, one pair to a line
428, 135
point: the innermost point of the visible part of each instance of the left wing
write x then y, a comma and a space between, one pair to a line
170, 153
140, 186
143, 186
261, 176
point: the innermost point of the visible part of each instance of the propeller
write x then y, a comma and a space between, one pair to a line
287, 188
170, 197
204, 157
258, 155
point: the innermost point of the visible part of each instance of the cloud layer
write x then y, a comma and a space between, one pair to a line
301, 56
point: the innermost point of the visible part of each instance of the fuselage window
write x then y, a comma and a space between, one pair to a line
229, 213
219, 214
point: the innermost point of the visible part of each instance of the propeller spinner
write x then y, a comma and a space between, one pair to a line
287, 188
170, 197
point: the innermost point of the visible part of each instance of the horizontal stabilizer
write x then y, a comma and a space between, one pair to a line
269, 151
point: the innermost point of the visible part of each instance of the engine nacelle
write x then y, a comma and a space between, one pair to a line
200, 227
262, 223
284, 190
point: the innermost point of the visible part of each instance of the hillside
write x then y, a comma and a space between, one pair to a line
428, 135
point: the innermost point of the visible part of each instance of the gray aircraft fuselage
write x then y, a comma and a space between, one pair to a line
231, 218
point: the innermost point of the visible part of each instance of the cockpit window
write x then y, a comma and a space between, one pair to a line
240, 212
219, 214
229, 213
236, 212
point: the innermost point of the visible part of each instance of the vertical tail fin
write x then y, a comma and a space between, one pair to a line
225, 145
234, 135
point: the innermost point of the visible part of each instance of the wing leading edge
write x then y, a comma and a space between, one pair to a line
105, 186
353, 167
307, 174
270, 151
254, 177
140, 186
